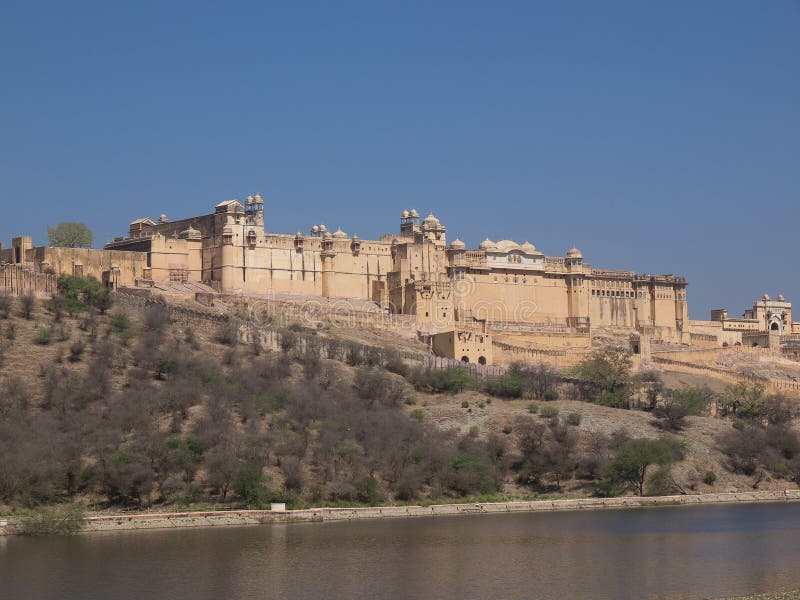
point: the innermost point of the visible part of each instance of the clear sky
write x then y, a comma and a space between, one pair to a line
656, 136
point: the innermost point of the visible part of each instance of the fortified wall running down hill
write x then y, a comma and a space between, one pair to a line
458, 297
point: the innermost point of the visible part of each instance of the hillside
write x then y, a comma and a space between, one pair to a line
133, 408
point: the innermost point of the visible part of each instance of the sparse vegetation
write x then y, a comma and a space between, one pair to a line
44, 336
54, 520
27, 304
6, 302
139, 411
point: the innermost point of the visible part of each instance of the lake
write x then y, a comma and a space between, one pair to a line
670, 552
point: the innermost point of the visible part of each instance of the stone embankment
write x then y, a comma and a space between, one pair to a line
263, 517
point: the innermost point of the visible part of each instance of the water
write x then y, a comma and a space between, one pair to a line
687, 552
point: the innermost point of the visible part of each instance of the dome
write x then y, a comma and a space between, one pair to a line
574, 253
322, 228
190, 234
431, 221
315, 229
163, 219
507, 245
299, 236
765, 297
413, 213
487, 244
257, 199
457, 244
780, 298
339, 233
528, 248
405, 214
356, 238
327, 235
249, 200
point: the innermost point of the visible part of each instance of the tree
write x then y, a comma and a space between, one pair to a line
70, 235
679, 404
605, 377
538, 380
743, 400
629, 467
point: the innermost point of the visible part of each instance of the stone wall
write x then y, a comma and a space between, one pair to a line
231, 518
19, 280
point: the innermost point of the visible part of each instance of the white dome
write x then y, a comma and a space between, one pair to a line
487, 244
339, 233
457, 244
405, 214
413, 213
574, 253
507, 245
431, 221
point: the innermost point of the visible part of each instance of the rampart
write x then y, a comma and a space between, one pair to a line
18, 281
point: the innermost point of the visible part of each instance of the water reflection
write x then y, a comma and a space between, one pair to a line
695, 552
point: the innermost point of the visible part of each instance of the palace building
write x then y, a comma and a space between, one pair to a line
458, 296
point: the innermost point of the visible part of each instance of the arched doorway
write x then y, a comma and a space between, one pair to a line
465, 359
481, 360
775, 326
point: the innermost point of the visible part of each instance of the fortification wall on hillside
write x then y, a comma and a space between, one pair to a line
18, 280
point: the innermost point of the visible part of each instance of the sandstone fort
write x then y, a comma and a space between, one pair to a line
466, 303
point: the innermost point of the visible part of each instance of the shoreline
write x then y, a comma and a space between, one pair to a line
180, 520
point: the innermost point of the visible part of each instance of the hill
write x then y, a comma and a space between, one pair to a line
147, 407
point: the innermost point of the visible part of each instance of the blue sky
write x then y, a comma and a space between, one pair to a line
660, 137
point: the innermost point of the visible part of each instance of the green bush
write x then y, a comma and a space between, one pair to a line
417, 414
81, 293
248, 483
121, 325
411, 400
464, 404
473, 431
550, 395
507, 429
618, 399
574, 418
44, 336
452, 380
548, 412
505, 386
709, 478
533, 408
366, 490
54, 520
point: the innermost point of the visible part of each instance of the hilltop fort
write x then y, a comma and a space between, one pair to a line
464, 302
